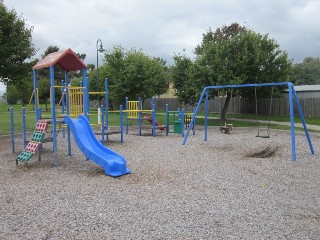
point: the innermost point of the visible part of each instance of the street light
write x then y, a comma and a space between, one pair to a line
101, 50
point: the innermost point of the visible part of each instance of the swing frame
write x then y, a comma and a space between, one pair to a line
292, 97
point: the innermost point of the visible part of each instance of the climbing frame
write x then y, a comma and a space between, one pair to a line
36, 140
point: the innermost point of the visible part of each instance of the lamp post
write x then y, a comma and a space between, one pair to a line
99, 49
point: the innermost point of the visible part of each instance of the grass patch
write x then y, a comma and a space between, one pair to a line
114, 119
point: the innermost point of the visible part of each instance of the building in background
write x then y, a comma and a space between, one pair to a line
307, 91
170, 92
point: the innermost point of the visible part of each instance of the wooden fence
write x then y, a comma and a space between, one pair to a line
280, 106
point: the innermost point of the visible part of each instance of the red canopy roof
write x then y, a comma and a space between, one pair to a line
66, 59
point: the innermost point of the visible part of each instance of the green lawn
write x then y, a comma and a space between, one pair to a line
114, 119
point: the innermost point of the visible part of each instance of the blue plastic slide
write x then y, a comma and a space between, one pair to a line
112, 163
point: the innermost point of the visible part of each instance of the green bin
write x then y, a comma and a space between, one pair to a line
177, 127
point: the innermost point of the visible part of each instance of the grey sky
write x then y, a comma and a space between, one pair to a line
162, 28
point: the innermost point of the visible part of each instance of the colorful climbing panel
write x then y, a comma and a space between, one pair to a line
36, 140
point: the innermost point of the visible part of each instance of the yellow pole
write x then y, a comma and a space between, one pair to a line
30, 101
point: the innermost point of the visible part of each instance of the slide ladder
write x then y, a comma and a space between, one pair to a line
36, 140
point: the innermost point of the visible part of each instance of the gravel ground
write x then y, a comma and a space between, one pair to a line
203, 190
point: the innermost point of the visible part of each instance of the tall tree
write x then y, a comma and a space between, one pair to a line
307, 72
16, 46
236, 55
50, 49
182, 74
133, 74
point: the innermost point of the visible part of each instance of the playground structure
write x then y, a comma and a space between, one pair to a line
181, 120
292, 98
76, 104
134, 112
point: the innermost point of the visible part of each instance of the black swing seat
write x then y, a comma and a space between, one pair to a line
227, 128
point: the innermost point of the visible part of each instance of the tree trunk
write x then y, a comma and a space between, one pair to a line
225, 107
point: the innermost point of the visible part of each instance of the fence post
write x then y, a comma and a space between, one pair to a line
12, 130
24, 130
121, 124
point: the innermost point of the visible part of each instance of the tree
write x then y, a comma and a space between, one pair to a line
16, 46
182, 74
12, 94
90, 67
307, 72
235, 55
132, 74
25, 88
50, 49
44, 91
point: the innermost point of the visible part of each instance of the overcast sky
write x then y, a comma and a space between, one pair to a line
162, 28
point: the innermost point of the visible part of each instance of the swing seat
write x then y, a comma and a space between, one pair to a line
227, 128
266, 135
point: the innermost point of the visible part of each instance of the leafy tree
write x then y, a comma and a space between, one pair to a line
182, 73
132, 74
82, 56
50, 49
90, 67
25, 88
16, 46
12, 94
307, 72
234, 55
44, 91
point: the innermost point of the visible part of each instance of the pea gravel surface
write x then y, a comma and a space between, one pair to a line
233, 186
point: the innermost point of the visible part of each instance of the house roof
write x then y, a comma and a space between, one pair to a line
307, 88
66, 59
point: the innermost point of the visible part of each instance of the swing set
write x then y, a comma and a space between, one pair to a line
293, 98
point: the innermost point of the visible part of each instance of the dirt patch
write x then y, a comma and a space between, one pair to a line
268, 152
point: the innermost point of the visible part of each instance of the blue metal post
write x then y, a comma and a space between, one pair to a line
24, 128
153, 120
293, 139
62, 100
66, 87
54, 119
39, 112
106, 86
194, 125
127, 123
121, 125
102, 125
12, 130
303, 120
206, 116
35, 87
182, 122
167, 119
86, 95
194, 116
139, 116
